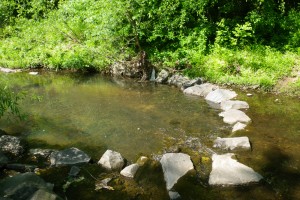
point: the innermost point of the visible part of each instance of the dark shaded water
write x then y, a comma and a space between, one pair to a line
96, 113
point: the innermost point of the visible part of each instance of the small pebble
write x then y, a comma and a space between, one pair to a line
249, 95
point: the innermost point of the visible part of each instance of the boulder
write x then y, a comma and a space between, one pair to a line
195, 81
111, 160
227, 171
229, 104
126, 69
23, 186
162, 76
219, 95
232, 143
238, 126
178, 80
71, 156
233, 116
174, 166
11, 144
200, 90
130, 170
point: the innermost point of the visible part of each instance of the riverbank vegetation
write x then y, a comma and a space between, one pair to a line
226, 41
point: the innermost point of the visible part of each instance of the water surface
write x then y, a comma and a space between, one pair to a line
95, 113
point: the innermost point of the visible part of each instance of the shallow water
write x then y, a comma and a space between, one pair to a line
96, 113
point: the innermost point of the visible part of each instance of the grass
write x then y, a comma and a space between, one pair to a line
258, 65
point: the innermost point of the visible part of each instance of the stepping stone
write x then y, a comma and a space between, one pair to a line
227, 171
232, 143
229, 104
238, 126
219, 95
233, 116
200, 90
174, 166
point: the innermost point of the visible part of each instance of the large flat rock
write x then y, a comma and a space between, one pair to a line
174, 166
71, 156
200, 90
111, 160
230, 104
227, 171
233, 116
232, 143
219, 95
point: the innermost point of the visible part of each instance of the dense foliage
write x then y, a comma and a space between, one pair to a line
243, 42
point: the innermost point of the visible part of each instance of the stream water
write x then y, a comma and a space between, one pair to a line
95, 113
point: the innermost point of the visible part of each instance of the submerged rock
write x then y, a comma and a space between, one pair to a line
142, 160
238, 126
44, 195
103, 184
71, 156
174, 195
219, 95
11, 144
229, 104
233, 116
227, 171
130, 170
111, 160
3, 159
232, 143
24, 186
162, 76
41, 153
174, 166
200, 90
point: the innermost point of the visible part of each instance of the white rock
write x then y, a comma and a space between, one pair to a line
7, 70
200, 90
227, 171
238, 126
233, 116
111, 160
249, 94
33, 73
130, 170
229, 104
219, 95
232, 143
174, 166
174, 195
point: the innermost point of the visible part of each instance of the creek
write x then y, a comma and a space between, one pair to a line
96, 113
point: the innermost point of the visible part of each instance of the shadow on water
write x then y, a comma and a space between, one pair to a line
281, 177
280, 181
